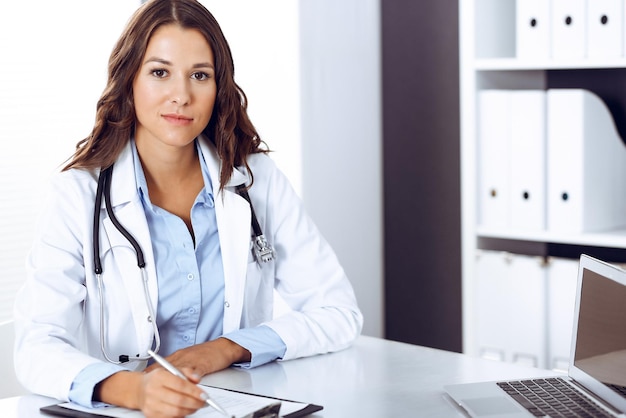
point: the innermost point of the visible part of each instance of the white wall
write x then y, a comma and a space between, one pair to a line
53, 68
341, 139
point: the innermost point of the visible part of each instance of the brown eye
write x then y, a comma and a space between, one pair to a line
200, 76
159, 73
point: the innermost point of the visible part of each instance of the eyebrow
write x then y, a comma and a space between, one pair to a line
166, 62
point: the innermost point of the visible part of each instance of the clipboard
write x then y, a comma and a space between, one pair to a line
272, 410
308, 408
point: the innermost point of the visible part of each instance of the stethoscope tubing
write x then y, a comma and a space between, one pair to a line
104, 188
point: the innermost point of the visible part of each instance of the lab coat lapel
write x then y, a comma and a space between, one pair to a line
233, 223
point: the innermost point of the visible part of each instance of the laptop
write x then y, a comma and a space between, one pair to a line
597, 369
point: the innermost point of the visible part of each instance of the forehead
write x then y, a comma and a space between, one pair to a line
174, 41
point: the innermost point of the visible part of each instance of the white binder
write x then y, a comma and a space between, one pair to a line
510, 308
562, 275
604, 28
493, 158
490, 296
568, 28
527, 311
533, 29
586, 164
528, 160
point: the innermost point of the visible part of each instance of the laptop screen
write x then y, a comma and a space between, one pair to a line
600, 347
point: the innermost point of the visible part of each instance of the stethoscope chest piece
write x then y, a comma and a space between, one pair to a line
263, 251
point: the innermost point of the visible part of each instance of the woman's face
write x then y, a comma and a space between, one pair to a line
174, 89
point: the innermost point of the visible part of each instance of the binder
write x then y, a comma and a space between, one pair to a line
562, 275
510, 308
533, 29
527, 311
586, 164
494, 108
568, 28
528, 160
604, 28
490, 296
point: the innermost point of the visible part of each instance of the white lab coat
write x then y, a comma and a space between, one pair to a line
57, 312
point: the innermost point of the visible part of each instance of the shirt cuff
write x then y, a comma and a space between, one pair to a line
262, 342
81, 392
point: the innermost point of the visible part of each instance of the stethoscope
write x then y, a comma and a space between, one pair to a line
262, 250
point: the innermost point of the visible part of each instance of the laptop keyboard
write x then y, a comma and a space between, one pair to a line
619, 389
552, 397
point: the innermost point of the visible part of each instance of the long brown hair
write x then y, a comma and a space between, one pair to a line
229, 128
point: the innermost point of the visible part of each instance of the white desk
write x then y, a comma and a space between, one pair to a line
374, 378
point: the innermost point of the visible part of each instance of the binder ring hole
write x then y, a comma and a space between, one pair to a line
604, 19
533, 22
564, 196
526, 195
568, 20
493, 193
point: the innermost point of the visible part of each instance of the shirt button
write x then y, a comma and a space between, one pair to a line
191, 310
186, 337
190, 276
226, 304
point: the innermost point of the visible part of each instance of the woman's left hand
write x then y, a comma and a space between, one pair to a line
207, 357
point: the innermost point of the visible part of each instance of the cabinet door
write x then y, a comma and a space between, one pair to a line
511, 308
562, 275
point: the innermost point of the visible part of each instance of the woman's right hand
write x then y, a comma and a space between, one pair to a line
158, 393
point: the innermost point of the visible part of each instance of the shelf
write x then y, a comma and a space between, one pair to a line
606, 239
514, 64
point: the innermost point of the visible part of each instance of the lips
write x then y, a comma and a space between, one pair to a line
177, 119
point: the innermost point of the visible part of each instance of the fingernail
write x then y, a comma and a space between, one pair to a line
195, 376
204, 396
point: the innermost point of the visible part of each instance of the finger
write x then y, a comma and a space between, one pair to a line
178, 384
172, 390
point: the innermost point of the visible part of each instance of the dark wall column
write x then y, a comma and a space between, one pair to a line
421, 147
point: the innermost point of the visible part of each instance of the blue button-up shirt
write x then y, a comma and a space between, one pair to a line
191, 286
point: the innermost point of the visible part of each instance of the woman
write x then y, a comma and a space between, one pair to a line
172, 141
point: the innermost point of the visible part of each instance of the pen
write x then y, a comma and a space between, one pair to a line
170, 368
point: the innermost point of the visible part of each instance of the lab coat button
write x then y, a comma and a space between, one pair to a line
190, 276
226, 304
149, 318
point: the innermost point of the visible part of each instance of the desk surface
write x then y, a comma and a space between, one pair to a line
374, 378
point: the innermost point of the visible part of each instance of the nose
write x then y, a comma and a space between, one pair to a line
180, 92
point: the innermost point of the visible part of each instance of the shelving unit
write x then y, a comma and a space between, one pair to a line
488, 61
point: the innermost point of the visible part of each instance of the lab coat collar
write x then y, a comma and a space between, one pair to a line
124, 186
